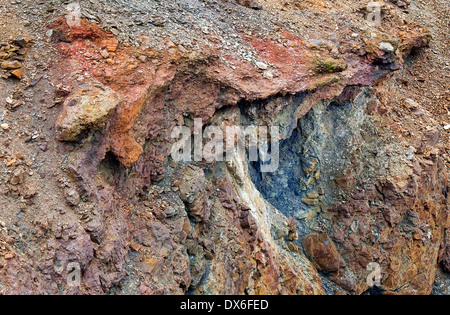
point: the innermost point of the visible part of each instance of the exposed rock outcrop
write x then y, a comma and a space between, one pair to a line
358, 181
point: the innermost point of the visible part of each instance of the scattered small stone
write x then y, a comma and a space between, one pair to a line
57, 101
43, 147
35, 80
105, 54
62, 90
9, 256
131, 67
17, 177
310, 202
411, 104
158, 21
15, 180
11, 162
421, 79
252, 4
72, 197
11, 65
386, 47
18, 73
73, 102
261, 65
111, 45
446, 127
268, 75
313, 195
4, 126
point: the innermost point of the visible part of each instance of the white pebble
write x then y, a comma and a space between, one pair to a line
386, 47
261, 65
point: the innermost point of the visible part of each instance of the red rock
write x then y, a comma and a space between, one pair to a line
323, 252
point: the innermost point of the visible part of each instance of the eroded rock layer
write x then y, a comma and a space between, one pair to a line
362, 176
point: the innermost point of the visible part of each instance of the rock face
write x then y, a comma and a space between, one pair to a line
362, 175
86, 109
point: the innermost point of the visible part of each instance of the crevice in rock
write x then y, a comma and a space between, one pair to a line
320, 150
374, 291
109, 168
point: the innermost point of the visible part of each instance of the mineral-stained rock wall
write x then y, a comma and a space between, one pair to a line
362, 175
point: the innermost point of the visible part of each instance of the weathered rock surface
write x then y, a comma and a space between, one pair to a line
362, 176
87, 108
